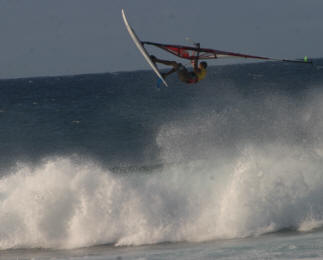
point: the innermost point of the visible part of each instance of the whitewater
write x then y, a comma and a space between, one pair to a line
107, 166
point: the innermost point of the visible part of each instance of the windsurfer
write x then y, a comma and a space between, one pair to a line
184, 75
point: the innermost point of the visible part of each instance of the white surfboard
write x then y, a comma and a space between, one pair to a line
142, 48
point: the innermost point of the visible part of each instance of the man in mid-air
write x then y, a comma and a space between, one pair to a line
198, 73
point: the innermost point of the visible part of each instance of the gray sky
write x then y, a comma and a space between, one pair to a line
59, 37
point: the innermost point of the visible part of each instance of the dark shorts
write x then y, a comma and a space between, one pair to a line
184, 75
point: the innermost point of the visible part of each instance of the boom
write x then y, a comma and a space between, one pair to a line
193, 53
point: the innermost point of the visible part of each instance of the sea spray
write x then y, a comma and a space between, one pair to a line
238, 155
63, 203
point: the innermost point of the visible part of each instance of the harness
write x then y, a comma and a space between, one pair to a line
193, 79
197, 76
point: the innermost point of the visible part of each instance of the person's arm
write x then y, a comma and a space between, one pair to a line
196, 60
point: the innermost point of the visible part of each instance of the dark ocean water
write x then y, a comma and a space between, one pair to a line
115, 118
110, 159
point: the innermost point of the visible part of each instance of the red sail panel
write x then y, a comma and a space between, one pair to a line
190, 53
181, 52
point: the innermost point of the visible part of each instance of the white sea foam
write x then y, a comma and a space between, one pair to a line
63, 203
233, 176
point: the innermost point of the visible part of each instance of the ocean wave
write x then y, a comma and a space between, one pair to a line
232, 158
65, 203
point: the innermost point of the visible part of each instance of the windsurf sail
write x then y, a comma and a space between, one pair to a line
193, 53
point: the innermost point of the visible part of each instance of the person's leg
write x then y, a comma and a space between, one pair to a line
165, 62
165, 74
168, 63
